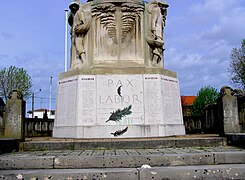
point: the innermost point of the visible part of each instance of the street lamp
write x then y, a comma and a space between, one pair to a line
32, 107
50, 95
66, 38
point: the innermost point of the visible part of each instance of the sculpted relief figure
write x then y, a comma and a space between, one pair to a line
157, 15
80, 25
111, 33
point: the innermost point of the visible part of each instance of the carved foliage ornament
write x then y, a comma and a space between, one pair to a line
118, 20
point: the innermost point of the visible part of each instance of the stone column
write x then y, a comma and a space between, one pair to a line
15, 116
230, 111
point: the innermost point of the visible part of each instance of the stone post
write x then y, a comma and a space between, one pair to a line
2, 106
230, 111
14, 117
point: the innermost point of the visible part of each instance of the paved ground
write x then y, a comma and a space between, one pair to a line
122, 158
221, 162
126, 152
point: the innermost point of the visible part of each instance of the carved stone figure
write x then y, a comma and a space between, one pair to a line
112, 33
157, 15
74, 6
80, 28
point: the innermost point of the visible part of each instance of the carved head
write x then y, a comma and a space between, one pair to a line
162, 4
163, 7
74, 6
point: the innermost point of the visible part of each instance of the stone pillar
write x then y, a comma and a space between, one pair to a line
2, 106
15, 116
230, 111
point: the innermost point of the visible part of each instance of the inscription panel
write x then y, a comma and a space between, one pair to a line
66, 102
118, 92
153, 99
172, 112
87, 100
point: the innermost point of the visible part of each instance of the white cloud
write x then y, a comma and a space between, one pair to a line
198, 48
230, 26
212, 6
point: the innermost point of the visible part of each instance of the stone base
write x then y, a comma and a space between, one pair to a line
105, 131
148, 105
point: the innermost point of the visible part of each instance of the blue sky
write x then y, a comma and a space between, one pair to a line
199, 37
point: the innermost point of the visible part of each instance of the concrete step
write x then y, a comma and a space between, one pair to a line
228, 171
37, 144
122, 158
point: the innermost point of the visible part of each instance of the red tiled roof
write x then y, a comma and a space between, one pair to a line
187, 100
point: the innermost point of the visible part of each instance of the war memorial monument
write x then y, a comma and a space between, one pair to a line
117, 85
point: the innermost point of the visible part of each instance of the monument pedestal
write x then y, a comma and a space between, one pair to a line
146, 100
117, 85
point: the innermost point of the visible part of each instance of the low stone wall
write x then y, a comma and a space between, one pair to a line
35, 127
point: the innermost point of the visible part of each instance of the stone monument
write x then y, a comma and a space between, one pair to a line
14, 117
230, 117
116, 85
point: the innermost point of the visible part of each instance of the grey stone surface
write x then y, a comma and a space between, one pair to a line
122, 143
26, 161
235, 171
69, 174
41, 146
125, 144
228, 171
200, 142
133, 160
229, 157
122, 158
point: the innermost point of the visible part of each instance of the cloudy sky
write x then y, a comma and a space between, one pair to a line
199, 37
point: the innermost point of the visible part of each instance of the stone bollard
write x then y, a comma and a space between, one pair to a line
14, 118
229, 111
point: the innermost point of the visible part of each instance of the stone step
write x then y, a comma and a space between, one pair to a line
122, 158
125, 143
228, 171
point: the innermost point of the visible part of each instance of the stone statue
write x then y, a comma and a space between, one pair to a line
157, 15
80, 28
74, 6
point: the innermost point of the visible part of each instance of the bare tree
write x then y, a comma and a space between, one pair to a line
14, 78
237, 66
